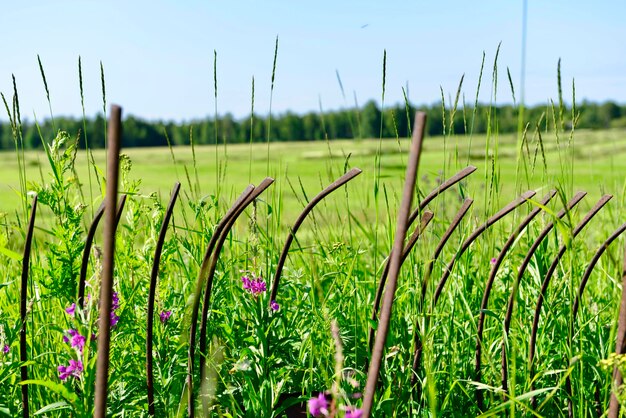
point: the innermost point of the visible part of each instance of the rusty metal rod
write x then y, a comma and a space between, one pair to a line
426, 218
492, 276
417, 353
546, 282
292, 233
106, 287
620, 340
24, 305
577, 300
520, 273
152, 293
432, 195
216, 254
88, 243
202, 277
394, 269
417, 340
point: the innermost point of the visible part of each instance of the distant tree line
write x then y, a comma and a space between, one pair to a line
367, 121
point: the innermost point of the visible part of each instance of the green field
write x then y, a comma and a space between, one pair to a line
598, 166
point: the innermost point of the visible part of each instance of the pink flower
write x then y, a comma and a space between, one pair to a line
5, 349
77, 341
352, 412
493, 261
74, 369
275, 306
71, 310
318, 407
254, 286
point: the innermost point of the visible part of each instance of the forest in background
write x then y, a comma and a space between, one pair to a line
367, 121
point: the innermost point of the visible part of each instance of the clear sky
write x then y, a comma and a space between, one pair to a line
158, 55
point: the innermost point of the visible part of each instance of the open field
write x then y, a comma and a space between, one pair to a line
599, 166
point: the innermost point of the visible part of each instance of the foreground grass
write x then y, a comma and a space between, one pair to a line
258, 355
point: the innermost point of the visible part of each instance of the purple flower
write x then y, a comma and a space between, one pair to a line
71, 309
352, 412
164, 316
5, 349
275, 306
318, 406
77, 341
115, 301
254, 286
114, 319
493, 261
74, 369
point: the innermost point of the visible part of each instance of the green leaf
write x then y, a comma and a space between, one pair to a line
57, 388
11, 254
53, 407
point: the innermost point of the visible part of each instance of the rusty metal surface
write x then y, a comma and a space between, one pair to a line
394, 268
546, 282
106, 286
152, 293
520, 273
24, 305
292, 233
492, 275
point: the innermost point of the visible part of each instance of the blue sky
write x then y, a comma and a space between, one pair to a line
158, 55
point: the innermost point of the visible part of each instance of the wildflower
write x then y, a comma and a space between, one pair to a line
74, 369
114, 319
254, 286
318, 406
71, 310
77, 341
275, 306
493, 261
115, 301
352, 412
5, 349
164, 316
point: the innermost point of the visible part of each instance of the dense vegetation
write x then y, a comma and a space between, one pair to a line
367, 121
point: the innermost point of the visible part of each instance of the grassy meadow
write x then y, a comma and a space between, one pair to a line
263, 360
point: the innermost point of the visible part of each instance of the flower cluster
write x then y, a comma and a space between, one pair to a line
256, 286
76, 340
318, 407
115, 305
74, 369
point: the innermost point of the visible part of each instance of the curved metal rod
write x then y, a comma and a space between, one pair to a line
24, 303
492, 276
151, 294
395, 264
620, 340
88, 243
546, 282
581, 289
509, 311
292, 233
216, 254
495, 218
417, 353
202, 277
440, 189
432, 195
108, 261
426, 218
417, 340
